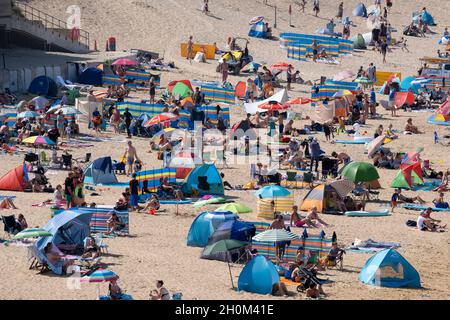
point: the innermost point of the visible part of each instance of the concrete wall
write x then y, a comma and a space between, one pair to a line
5, 8
52, 37
18, 80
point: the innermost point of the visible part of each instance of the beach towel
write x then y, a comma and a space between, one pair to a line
371, 246
418, 207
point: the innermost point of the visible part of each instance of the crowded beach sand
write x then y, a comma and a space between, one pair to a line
156, 246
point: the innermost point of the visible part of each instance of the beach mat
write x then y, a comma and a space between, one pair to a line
350, 142
380, 213
418, 207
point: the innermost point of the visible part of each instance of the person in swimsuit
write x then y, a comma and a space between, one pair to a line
130, 155
161, 293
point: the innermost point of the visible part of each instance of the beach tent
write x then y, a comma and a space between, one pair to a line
388, 268
233, 229
402, 98
426, 18
258, 30
442, 115
14, 179
359, 42
258, 276
253, 107
100, 171
240, 89
204, 226
69, 227
205, 179
318, 197
360, 10
91, 76
400, 181
43, 85
181, 89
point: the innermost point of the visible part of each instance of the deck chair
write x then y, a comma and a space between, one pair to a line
308, 177
43, 158
206, 157
291, 177
337, 263
220, 158
10, 226
86, 159
37, 261
67, 161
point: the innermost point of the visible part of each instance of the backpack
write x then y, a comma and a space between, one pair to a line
411, 223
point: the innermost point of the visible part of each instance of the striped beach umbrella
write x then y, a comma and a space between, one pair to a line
28, 114
272, 191
101, 275
32, 233
39, 140
235, 208
275, 235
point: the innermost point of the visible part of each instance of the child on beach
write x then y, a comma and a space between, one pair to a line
394, 199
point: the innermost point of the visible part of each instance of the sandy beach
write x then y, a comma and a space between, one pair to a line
156, 247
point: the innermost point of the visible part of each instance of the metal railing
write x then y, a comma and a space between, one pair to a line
49, 22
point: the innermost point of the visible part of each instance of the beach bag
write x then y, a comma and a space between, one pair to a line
411, 223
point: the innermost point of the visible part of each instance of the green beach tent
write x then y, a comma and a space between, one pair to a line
400, 181
182, 90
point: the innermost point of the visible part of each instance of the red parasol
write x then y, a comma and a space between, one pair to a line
299, 101
273, 105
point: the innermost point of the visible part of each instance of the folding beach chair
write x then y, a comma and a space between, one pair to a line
291, 177
10, 226
308, 177
67, 161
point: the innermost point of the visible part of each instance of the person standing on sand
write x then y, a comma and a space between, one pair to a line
340, 12
128, 116
152, 87
315, 49
316, 7
384, 48
224, 69
190, 44
130, 155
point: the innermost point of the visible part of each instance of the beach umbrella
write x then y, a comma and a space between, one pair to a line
251, 67
235, 208
272, 106
28, 114
100, 275
360, 172
283, 66
275, 235
166, 132
38, 140
173, 83
224, 246
32, 233
343, 93
256, 19
272, 191
374, 145
69, 111
205, 202
363, 80
125, 62
346, 74
421, 81
343, 186
156, 120
298, 101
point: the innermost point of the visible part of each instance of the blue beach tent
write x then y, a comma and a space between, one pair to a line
204, 226
100, 171
389, 269
205, 179
91, 76
258, 276
43, 85
258, 30
69, 227
360, 10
